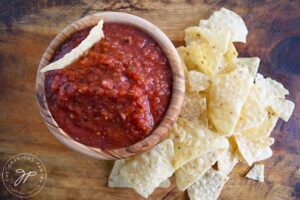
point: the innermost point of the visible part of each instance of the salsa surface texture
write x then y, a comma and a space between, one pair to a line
116, 93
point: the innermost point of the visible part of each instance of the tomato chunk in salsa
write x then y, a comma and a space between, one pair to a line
116, 93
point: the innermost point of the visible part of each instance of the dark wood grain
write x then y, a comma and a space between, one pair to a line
27, 27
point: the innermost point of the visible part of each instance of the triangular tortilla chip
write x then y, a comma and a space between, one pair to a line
251, 63
208, 187
201, 57
256, 173
228, 93
269, 88
228, 160
225, 19
198, 141
193, 170
197, 81
148, 170
94, 36
252, 114
263, 130
252, 149
283, 108
194, 109
115, 179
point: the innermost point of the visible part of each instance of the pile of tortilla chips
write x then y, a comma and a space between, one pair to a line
228, 114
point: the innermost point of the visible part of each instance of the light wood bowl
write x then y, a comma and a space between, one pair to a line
161, 131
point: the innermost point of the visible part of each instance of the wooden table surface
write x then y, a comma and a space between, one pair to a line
26, 29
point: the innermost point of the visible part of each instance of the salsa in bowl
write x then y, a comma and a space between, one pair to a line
121, 96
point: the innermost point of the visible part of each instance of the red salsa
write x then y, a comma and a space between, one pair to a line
116, 93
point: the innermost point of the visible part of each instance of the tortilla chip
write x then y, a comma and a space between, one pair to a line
178, 131
252, 114
251, 63
231, 54
283, 108
217, 40
115, 179
263, 154
228, 160
208, 187
228, 93
94, 36
256, 173
193, 170
192, 34
229, 61
197, 81
201, 57
251, 149
269, 88
225, 19
198, 141
263, 130
146, 171
273, 94
194, 109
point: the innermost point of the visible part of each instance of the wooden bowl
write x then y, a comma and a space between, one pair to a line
161, 131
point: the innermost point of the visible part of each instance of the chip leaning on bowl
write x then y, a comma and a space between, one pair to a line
227, 116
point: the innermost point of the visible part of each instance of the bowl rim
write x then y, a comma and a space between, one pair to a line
160, 132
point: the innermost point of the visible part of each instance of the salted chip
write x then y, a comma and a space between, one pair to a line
217, 40
231, 55
201, 57
283, 108
208, 187
225, 19
256, 173
273, 94
198, 141
194, 109
178, 132
228, 160
264, 154
251, 149
228, 93
263, 130
197, 81
251, 63
192, 34
252, 114
115, 179
146, 171
193, 170
229, 61
269, 88
94, 36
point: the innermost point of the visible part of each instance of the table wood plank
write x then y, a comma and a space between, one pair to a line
26, 29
